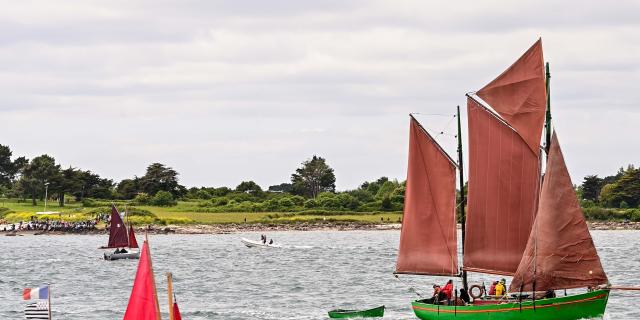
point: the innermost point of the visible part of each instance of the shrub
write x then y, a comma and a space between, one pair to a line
624, 205
310, 204
142, 199
286, 203
163, 199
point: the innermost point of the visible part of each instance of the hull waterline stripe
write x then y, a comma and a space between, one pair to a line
509, 309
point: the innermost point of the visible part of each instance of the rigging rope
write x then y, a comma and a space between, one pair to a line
411, 288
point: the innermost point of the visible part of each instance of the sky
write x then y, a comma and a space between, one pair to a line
226, 91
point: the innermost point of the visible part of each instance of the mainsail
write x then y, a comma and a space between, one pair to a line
117, 231
504, 167
560, 253
428, 241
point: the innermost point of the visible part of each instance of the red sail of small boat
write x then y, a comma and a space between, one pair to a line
176, 312
117, 231
133, 243
143, 302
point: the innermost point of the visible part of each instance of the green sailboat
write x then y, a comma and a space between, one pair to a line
518, 222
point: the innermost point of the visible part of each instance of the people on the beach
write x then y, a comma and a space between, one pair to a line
52, 225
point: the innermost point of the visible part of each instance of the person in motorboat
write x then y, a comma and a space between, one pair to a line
271, 241
117, 251
123, 250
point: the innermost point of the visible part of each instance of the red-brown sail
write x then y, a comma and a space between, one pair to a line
504, 182
560, 253
133, 243
176, 312
519, 96
117, 231
143, 302
428, 238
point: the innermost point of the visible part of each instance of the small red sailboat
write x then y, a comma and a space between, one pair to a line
120, 238
143, 302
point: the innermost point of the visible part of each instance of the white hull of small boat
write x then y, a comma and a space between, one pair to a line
119, 256
257, 244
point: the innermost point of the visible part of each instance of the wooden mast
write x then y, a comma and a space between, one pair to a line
547, 124
463, 198
170, 294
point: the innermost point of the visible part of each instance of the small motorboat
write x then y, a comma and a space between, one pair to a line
257, 244
377, 312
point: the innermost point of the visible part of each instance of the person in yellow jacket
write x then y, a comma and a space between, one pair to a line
501, 288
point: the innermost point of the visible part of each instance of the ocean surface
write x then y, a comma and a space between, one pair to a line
217, 277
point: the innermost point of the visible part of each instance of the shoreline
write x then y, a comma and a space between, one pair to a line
260, 227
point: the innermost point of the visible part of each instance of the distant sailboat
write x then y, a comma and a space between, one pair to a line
518, 224
120, 237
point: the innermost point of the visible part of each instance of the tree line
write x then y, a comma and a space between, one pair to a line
621, 190
311, 186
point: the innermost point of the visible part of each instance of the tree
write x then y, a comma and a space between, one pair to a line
93, 186
40, 170
249, 187
314, 177
161, 178
128, 188
9, 168
283, 187
591, 187
67, 181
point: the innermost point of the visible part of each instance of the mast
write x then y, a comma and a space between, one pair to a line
547, 124
463, 199
170, 294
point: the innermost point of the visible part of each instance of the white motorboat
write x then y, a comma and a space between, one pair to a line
258, 244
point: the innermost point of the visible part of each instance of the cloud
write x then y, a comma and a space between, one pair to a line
225, 91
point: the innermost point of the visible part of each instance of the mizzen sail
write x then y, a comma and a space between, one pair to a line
428, 241
504, 182
560, 253
519, 96
133, 243
117, 230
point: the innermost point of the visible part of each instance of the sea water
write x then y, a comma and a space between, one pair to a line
217, 277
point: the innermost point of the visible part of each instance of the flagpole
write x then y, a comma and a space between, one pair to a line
170, 294
49, 296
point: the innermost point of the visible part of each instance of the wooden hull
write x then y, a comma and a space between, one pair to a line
582, 306
120, 256
370, 313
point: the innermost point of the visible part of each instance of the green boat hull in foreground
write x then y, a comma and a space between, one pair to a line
582, 306
370, 313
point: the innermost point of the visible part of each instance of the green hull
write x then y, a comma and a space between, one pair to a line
371, 313
581, 306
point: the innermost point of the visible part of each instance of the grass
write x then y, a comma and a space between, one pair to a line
185, 213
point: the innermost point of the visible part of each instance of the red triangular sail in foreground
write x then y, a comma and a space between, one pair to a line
519, 95
176, 312
428, 241
560, 253
143, 302
117, 230
133, 243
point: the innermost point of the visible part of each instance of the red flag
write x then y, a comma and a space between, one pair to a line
143, 302
176, 312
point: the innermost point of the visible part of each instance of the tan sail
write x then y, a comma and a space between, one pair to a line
519, 96
428, 241
560, 253
504, 182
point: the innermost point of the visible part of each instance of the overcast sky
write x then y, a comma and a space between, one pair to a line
225, 91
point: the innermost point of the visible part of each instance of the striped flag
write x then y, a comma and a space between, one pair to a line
36, 293
37, 310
